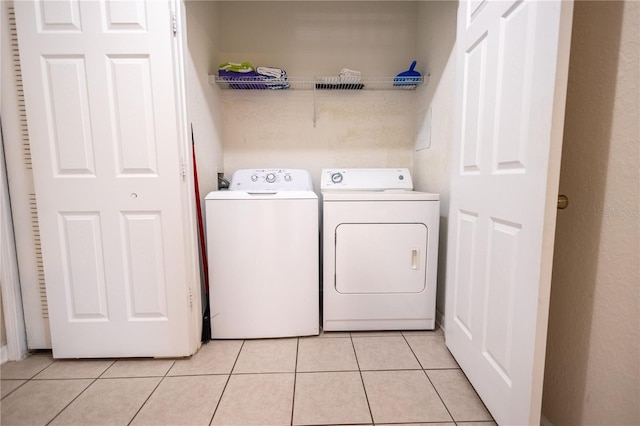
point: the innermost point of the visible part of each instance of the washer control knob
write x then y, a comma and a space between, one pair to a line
287, 178
336, 177
254, 178
271, 177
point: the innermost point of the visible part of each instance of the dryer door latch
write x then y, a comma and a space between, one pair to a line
415, 258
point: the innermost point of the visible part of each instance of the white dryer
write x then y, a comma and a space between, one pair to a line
380, 251
263, 252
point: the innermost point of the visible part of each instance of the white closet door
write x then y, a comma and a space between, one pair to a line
102, 108
512, 71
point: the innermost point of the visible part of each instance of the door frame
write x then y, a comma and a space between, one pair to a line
15, 329
192, 266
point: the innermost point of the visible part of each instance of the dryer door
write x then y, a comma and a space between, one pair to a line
381, 258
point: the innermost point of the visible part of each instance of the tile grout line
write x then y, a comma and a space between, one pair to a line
295, 378
21, 385
53, 361
425, 370
413, 352
72, 401
30, 378
226, 382
428, 378
439, 396
364, 388
151, 393
77, 396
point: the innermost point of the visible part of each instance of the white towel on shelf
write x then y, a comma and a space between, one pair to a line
272, 72
274, 78
349, 76
347, 71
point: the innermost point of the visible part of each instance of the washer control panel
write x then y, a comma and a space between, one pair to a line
271, 180
366, 179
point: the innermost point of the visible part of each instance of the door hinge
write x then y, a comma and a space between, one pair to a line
183, 168
174, 23
190, 298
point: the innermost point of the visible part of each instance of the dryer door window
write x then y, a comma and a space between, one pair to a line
380, 258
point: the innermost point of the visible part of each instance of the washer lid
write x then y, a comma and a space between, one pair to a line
365, 179
271, 180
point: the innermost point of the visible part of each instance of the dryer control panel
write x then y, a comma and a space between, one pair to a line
366, 179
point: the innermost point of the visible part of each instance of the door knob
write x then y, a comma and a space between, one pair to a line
563, 202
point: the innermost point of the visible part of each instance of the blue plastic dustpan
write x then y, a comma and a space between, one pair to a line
409, 77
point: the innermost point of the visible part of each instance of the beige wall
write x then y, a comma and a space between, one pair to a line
203, 103
353, 129
3, 333
593, 353
436, 38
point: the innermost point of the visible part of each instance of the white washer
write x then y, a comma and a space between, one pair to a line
263, 248
380, 251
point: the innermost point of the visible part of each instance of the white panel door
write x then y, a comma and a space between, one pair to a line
512, 70
102, 107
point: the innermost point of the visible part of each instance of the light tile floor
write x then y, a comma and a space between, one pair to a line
333, 379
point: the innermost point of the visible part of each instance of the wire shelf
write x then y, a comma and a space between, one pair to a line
260, 83
367, 83
318, 83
